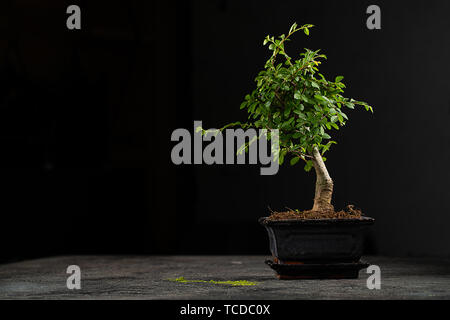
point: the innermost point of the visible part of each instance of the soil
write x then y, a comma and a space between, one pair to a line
349, 212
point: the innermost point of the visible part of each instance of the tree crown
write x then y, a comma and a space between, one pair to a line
295, 98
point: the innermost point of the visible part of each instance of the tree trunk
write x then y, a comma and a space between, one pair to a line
324, 184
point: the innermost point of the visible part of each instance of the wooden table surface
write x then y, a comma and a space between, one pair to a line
146, 277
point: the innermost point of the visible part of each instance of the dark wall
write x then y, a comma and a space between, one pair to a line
85, 161
391, 164
86, 118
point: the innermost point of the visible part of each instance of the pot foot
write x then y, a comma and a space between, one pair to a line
317, 271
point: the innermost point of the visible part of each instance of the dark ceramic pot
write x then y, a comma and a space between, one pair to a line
317, 241
317, 249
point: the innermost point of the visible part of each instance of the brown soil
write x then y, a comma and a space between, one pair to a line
349, 212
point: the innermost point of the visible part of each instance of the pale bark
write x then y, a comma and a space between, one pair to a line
324, 184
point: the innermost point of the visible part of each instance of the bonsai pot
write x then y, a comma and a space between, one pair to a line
316, 249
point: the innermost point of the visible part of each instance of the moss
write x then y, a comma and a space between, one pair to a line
229, 282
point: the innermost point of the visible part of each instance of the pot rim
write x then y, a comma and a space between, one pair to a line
292, 222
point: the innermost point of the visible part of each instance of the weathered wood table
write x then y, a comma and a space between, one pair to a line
146, 277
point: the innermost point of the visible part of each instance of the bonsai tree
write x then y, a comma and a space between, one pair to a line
293, 97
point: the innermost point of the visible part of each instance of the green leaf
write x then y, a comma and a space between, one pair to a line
350, 105
281, 158
293, 27
307, 100
315, 85
339, 79
297, 95
308, 165
287, 112
319, 97
334, 125
294, 160
325, 148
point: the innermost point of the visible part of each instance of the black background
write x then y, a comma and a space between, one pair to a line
86, 118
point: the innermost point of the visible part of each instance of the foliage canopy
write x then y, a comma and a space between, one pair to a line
295, 98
